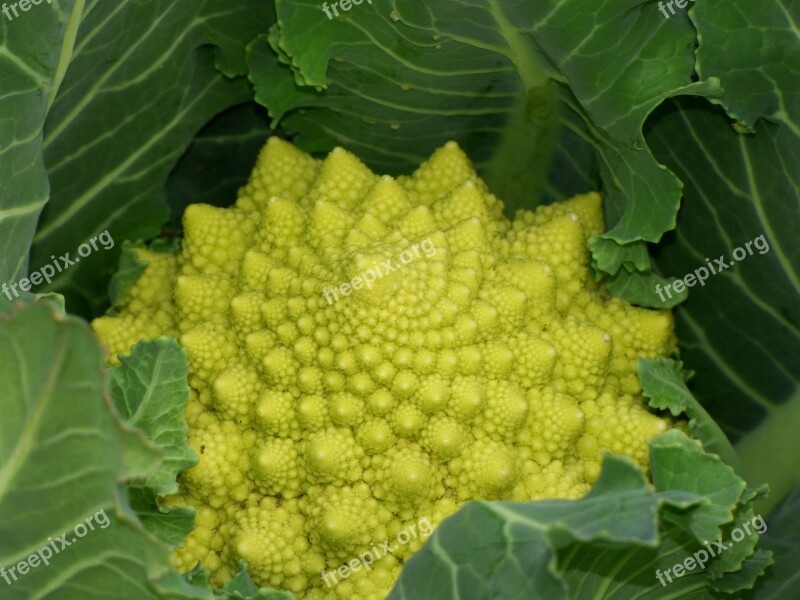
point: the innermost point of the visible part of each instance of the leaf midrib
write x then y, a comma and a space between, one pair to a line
67, 47
41, 404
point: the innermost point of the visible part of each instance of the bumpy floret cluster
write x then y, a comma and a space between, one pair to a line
327, 418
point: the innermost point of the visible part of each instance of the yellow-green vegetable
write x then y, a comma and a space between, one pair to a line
490, 365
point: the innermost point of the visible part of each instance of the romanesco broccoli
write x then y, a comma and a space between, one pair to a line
491, 367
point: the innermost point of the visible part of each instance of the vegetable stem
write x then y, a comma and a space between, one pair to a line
770, 453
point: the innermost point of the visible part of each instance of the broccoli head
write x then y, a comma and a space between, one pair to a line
367, 351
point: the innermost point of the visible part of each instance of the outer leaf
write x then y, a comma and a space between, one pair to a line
735, 555
241, 587
682, 468
31, 69
610, 257
171, 525
747, 351
664, 385
753, 567
754, 49
766, 84
532, 80
783, 540
61, 457
140, 83
149, 389
740, 331
56, 413
140, 456
609, 543
637, 287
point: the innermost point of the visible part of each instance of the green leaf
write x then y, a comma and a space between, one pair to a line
613, 542
61, 458
754, 50
683, 469
664, 385
171, 525
754, 567
199, 576
610, 257
241, 587
782, 539
149, 389
567, 84
140, 456
135, 82
740, 329
62, 461
31, 69
643, 289
735, 555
